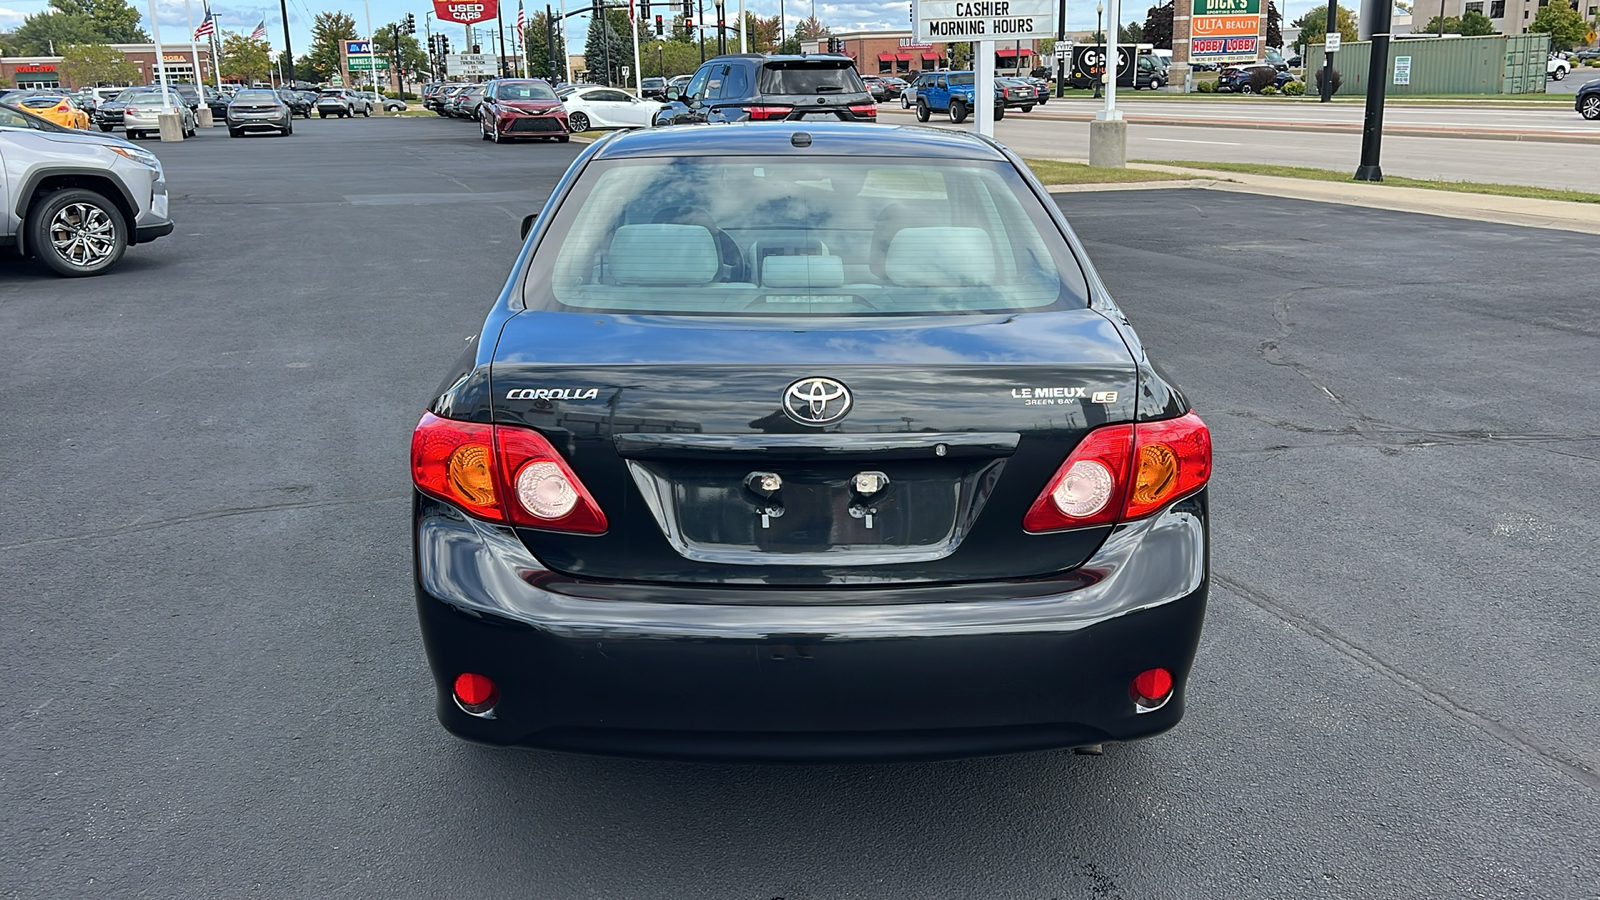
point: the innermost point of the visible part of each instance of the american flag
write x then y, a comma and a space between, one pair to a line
208, 26
522, 19
260, 34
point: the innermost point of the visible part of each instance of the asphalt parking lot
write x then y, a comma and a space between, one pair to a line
215, 686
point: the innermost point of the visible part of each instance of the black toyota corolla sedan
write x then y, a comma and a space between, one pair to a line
807, 442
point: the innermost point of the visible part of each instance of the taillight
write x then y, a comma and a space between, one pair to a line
542, 491
1171, 459
501, 473
1090, 487
769, 113
1123, 472
454, 461
868, 110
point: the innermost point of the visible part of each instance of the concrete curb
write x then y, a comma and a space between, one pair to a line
1129, 186
1324, 127
1560, 215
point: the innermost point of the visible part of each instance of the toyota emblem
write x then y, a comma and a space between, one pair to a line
816, 401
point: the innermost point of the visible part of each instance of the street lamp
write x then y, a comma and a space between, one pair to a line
1100, 37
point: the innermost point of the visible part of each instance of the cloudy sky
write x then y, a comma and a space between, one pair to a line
238, 16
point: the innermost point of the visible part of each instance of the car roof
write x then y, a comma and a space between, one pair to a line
775, 139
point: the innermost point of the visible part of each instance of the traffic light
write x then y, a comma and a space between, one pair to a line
644, 10
661, 27
411, 23
444, 44
477, 48
596, 8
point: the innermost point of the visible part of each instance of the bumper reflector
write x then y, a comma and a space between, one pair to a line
1152, 688
476, 694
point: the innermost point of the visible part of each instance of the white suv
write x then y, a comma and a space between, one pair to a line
75, 200
1558, 67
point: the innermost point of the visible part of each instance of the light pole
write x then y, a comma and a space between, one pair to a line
1061, 64
1100, 38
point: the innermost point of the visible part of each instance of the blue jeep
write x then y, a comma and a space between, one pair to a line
952, 93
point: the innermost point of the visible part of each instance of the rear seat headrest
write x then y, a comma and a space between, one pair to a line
663, 255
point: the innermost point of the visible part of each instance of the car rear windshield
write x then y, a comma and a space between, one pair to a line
809, 78
813, 236
255, 97
40, 102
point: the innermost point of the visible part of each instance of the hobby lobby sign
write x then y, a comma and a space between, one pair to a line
467, 11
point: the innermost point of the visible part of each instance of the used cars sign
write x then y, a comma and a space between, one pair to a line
466, 11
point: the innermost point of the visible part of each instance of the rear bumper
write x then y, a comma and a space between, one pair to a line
1004, 667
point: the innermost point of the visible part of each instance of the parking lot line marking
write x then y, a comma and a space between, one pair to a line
1183, 141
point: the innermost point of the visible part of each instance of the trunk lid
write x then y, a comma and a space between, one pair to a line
677, 426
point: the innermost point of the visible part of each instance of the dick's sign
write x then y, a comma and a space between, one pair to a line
1225, 30
466, 11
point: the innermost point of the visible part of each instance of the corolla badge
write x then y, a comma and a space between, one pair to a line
816, 401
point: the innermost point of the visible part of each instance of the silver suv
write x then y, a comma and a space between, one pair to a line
76, 200
342, 103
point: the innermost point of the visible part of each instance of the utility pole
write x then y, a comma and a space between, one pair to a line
501, 22
288, 49
701, 31
550, 41
1327, 55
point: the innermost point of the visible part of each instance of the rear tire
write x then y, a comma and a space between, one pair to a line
923, 113
1559, 74
957, 112
322, 115
107, 127
1027, 109
563, 139
91, 227
366, 113
234, 132
999, 112
1591, 107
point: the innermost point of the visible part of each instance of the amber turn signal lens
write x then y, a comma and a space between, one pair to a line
1157, 474
470, 474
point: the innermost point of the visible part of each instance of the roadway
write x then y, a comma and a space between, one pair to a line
1542, 147
215, 687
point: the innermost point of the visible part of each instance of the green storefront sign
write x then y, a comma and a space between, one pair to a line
362, 63
1226, 7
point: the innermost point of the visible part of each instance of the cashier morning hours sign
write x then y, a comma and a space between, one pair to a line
984, 20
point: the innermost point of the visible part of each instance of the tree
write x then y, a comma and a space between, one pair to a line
328, 34
541, 64
790, 45
411, 59
1275, 25
244, 59
1130, 34
664, 59
1158, 26
306, 70
80, 22
1565, 27
811, 29
607, 43
1314, 25
763, 32
1473, 24
95, 64
960, 54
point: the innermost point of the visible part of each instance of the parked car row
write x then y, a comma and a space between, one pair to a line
509, 109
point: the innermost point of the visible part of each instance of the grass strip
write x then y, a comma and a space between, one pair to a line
1432, 184
1054, 171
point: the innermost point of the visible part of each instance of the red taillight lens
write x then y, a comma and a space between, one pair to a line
870, 111
769, 113
1089, 487
1123, 472
541, 490
454, 461
503, 474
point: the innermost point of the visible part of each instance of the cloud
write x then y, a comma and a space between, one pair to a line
11, 18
